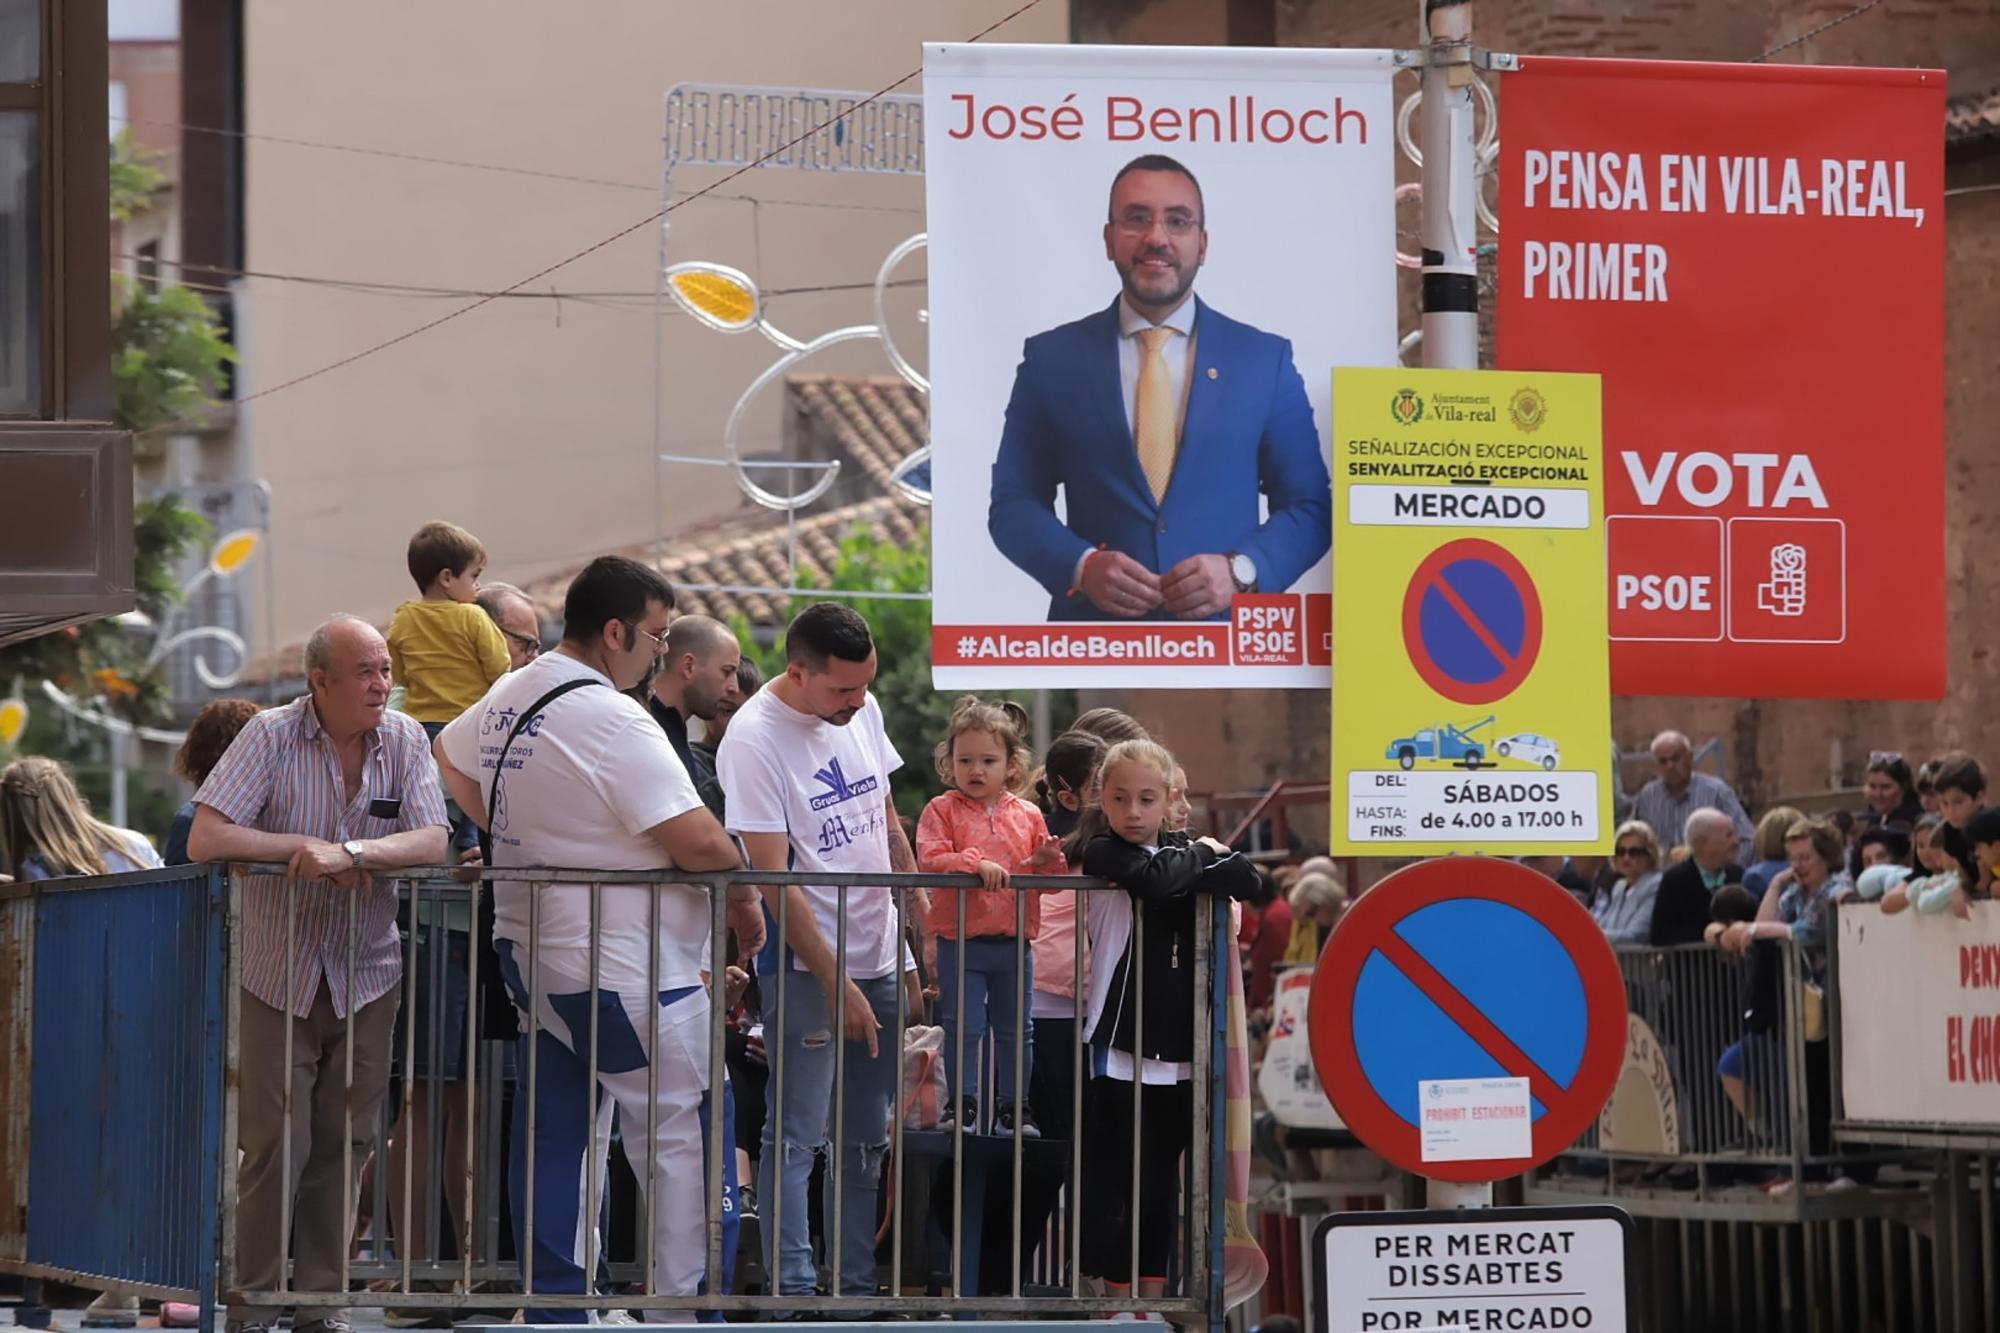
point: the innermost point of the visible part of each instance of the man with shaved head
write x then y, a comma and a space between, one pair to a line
338, 789
696, 677
1680, 910
1666, 802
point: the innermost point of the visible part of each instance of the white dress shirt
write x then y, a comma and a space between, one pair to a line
1179, 356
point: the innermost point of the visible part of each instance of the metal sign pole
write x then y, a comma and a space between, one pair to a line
1450, 272
1450, 217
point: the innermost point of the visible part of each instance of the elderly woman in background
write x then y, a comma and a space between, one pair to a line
1795, 904
1624, 912
1769, 848
1317, 899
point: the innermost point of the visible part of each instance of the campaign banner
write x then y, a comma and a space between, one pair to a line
1753, 258
1143, 263
1472, 708
1286, 1079
1920, 1017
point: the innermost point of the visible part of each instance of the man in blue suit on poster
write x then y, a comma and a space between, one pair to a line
1161, 421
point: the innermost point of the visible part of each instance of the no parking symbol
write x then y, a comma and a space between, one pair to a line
1472, 621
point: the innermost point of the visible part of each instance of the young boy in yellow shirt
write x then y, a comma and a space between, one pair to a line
444, 650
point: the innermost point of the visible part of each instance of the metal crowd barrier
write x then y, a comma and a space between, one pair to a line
112, 1083
1687, 1008
1904, 1244
486, 1275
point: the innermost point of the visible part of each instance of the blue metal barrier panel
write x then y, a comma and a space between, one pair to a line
126, 1108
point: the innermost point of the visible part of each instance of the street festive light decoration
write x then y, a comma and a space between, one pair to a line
233, 552
727, 300
229, 555
113, 684
13, 720
724, 298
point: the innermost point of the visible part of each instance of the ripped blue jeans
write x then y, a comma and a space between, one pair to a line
869, 1090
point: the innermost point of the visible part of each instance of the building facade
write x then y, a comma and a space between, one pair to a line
65, 474
386, 164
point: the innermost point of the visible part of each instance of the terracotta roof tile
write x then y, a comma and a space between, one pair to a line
1972, 116
877, 420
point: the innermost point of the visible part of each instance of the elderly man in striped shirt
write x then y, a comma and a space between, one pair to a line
338, 789
1666, 802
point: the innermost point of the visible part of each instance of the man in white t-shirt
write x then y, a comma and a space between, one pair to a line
589, 780
805, 769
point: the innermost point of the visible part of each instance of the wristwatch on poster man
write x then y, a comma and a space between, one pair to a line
1242, 572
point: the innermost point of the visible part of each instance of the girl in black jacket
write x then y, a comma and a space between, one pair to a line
1164, 875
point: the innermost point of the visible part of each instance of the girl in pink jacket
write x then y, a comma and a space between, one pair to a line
982, 828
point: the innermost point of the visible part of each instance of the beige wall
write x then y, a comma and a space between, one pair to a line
529, 423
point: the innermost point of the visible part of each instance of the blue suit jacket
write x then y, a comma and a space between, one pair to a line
1248, 430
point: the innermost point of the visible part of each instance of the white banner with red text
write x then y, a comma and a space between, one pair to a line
1920, 1017
1143, 264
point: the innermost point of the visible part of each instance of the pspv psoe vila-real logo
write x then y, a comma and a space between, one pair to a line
1406, 407
1528, 409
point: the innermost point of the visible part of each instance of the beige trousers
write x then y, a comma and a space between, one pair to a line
322, 1192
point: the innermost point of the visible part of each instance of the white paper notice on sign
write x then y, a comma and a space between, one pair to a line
1476, 1119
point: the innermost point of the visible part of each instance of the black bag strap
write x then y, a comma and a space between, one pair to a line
500, 766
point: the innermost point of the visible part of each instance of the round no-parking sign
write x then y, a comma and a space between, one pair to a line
1472, 621
1467, 1019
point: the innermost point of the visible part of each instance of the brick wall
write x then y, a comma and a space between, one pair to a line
1775, 747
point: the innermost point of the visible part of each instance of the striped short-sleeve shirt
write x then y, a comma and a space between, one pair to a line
282, 775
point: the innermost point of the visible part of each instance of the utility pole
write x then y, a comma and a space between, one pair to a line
1451, 269
1450, 176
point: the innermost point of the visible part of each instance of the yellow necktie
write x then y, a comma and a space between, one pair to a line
1154, 429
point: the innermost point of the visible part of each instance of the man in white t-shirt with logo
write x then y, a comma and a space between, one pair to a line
590, 780
805, 769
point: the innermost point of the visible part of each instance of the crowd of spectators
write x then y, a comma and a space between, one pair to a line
1922, 842
646, 741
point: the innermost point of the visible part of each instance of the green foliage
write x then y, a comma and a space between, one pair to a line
167, 355
103, 662
165, 533
151, 794
916, 714
134, 179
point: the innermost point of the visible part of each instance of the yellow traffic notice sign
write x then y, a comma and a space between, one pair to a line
1471, 683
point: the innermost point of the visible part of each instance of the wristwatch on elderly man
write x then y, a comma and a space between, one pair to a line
353, 849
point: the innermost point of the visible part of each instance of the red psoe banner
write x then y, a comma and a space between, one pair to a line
1753, 258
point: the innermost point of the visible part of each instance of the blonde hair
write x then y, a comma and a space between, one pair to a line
1150, 753
1001, 718
41, 812
1645, 832
1769, 840
1824, 840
